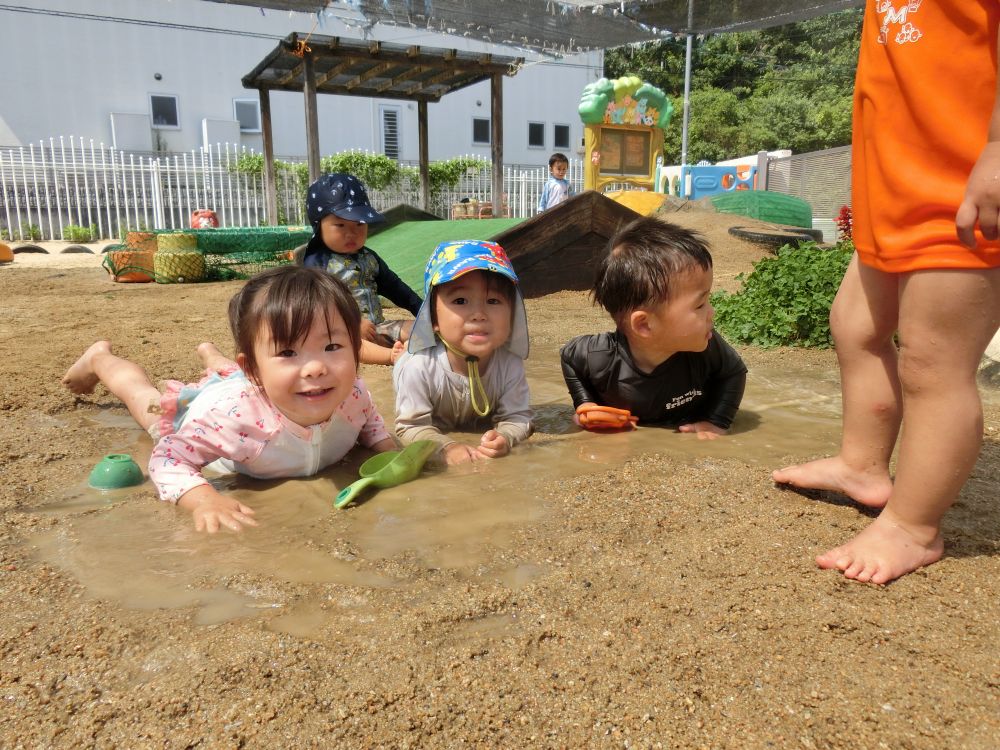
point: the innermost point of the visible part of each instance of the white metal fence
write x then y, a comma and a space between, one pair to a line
71, 189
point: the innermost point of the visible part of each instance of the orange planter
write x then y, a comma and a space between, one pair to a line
141, 241
130, 265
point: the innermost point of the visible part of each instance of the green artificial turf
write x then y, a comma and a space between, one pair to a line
406, 247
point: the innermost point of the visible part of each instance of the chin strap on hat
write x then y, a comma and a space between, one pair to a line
476, 389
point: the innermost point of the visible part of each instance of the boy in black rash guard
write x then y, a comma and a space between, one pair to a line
664, 363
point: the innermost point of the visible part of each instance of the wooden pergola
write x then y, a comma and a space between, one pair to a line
351, 67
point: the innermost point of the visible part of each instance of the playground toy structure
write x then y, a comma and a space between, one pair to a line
624, 121
623, 132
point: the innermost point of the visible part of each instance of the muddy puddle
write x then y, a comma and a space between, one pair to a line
307, 561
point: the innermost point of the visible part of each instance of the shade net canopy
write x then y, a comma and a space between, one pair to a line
719, 16
565, 26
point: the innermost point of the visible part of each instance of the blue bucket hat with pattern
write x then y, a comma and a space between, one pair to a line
340, 194
453, 259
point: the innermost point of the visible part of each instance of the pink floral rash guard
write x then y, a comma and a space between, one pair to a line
232, 422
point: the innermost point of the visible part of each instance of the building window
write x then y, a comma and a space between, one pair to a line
390, 131
560, 136
247, 112
163, 111
480, 130
536, 135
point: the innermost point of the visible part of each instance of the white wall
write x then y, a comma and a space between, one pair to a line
65, 74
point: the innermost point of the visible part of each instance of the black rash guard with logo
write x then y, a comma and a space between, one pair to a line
687, 387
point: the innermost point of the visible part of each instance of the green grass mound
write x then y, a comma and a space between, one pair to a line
407, 246
777, 208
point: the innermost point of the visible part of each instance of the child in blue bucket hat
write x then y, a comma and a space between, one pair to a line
464, 365
339, 211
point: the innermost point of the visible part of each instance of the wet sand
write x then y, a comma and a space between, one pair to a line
639, 590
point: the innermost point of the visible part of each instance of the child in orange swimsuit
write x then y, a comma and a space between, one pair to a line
926, 197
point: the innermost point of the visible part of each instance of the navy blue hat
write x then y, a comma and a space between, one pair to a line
341, 195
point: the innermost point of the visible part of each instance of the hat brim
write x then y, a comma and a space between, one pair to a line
422, 334
376, 217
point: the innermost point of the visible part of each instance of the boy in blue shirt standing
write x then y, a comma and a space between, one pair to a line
557, 187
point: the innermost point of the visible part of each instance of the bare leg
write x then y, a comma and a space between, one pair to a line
213, 359
946, 321
863, 320
123, 378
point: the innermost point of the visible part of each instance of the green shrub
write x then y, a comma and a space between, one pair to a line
34, 232
445, 174
376, 171
785, 300
73, 233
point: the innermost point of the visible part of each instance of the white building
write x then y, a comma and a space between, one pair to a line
165, 75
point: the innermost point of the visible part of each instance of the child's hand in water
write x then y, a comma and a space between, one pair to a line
457, 453
704, 430
493, 445
212, 509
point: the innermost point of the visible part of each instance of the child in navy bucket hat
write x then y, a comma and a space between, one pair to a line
338, 209
464, 366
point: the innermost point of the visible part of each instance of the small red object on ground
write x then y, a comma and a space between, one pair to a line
203, 218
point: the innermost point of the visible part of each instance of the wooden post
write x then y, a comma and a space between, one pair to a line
425, 174
270, 183
496, 141
312, 118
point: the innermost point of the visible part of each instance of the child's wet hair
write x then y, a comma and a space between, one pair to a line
495, 282
287, 300
557, 158
643, 258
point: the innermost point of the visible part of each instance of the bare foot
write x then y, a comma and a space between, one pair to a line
884, 551
81, 378
871, 489
212, 358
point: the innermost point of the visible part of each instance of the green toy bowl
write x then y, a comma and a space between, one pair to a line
115, 471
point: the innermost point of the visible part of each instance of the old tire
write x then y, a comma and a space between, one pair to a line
76, 249
776, 237
30, 249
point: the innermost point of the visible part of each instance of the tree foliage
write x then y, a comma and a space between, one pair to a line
787, 87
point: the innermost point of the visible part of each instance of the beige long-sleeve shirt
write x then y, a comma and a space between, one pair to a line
431, 398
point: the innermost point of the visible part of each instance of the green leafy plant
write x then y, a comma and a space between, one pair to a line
786, 299
446, 174
34, 232
250, 164
75, 233
376, 171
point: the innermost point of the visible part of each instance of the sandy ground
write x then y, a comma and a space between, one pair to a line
625, 591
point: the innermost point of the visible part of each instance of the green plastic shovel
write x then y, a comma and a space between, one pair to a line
388, 469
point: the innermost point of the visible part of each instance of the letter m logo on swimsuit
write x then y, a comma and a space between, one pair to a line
897, 17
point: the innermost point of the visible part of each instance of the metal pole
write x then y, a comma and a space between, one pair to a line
687, 87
